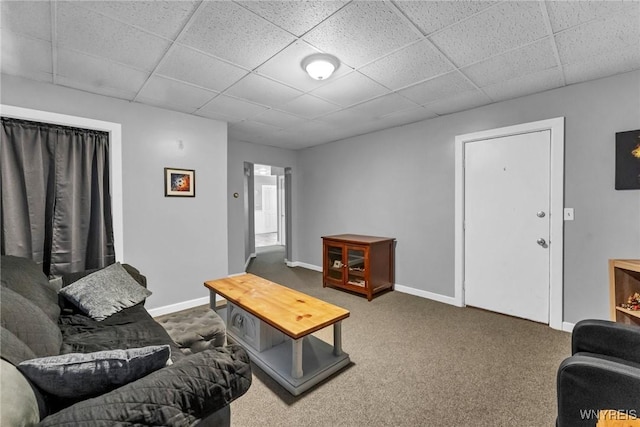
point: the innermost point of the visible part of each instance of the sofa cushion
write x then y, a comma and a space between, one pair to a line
12, 349
29, 324
26, 278
105, 292
17, 398
83, 375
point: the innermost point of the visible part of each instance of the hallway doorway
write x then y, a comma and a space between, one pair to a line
268, 207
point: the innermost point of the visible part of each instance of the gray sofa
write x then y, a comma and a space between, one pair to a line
37, 323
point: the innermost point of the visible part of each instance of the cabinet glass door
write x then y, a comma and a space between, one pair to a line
335, 268
355, 262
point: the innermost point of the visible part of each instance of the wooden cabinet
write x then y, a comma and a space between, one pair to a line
624, 281
361, 264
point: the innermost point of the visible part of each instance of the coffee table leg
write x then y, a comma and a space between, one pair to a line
296, 360
212, 300
337, 338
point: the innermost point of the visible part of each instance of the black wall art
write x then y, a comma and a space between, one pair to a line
628, 160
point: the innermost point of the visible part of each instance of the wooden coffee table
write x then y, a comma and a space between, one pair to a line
274, 324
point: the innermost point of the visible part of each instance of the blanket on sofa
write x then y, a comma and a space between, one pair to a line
216, 377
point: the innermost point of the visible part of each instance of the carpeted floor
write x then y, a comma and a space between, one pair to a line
415, 362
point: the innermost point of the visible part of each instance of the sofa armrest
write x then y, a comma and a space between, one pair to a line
606, 338
588, 383
181, 394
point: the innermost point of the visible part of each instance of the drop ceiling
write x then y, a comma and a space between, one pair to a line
239, 61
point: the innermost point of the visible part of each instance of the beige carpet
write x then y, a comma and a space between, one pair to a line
415, 362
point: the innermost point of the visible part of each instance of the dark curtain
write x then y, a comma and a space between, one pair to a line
56, 200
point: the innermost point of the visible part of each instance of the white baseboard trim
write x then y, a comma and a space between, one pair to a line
246, 264
172, 308
237, 274
426, 294
568, 327
304, 265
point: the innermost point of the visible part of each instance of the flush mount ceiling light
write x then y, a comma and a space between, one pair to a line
320, 66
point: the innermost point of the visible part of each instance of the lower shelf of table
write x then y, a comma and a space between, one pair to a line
318, 362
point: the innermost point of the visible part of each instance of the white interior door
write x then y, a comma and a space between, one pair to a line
506, 225
270, 208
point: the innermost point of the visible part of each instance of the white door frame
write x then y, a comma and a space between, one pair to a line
556, 242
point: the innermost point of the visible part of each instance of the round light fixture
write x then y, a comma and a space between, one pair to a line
320, 66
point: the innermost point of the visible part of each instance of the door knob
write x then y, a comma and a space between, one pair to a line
540, 214
542, 242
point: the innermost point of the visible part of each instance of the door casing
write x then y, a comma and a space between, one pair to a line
556, 243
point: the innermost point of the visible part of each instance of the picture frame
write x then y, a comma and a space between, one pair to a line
628, 160
179, 182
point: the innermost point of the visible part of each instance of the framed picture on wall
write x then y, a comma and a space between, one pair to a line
179, 182
628, 160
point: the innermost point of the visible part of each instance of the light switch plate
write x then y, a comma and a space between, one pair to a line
568, 214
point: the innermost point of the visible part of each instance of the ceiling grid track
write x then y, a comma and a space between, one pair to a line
170, 48
427, 39
554, 45
54, 41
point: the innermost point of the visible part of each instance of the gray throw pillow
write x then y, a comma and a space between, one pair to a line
105, 292
25, 277
12, 349
29, 324
80, 375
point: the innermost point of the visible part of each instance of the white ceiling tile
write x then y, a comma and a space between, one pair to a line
350, 89
311, 127
309, 106
598, 37
95, 34
98, 75
384, 105
417, 62
297, 17
169, 92
604, 65
250, 131
286, 67
533, 83
278, 119
403, 117
26, 57
431, 16
263, 91
191, 66
29, 18
494, 31
567, 14
345, 118
100, 90
460, 102
216, 116
173, 106
361, 32
233, 107
532, 58
438, 88
231, 32
165, 18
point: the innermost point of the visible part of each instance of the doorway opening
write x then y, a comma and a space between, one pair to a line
269, 214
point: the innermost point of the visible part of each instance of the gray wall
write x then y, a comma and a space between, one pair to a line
400, 183
177, 242
238, 153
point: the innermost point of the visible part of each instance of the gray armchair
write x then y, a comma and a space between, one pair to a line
603, 373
